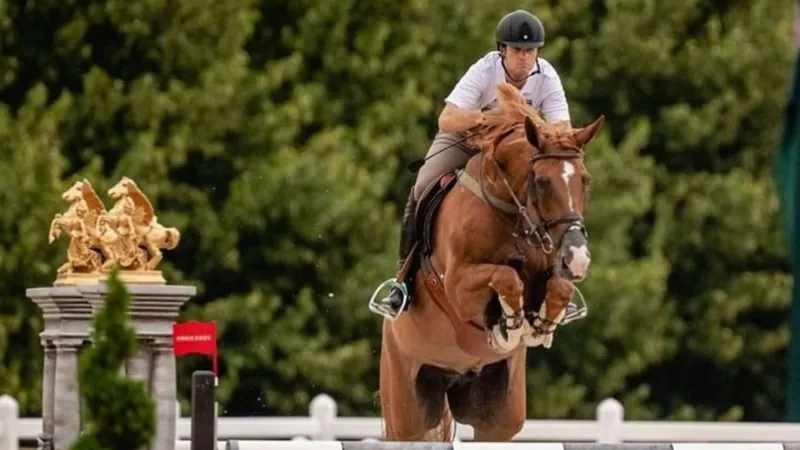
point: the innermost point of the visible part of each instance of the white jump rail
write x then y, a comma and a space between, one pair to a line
329, 445
323, 424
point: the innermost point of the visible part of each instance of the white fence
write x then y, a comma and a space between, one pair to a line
323, 423
9, 423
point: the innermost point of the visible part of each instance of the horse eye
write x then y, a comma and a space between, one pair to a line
542, 182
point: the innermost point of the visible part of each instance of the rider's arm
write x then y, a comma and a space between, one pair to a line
454, 119
554, 105
462, 108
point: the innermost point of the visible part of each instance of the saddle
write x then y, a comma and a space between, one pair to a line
470, 334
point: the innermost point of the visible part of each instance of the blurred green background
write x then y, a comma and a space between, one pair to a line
274, 134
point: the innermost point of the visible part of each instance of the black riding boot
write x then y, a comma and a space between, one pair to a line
393, 302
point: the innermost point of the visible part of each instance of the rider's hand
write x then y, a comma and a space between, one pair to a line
482, 119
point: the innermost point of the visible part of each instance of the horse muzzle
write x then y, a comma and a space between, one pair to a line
573, 255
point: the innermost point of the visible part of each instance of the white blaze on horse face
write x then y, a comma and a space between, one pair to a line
567, 171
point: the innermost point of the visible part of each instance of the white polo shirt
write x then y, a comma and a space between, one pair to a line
477, 89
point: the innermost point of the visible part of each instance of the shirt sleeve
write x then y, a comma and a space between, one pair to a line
470, 88
554, 105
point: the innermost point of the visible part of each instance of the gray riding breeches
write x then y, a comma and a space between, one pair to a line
453, 157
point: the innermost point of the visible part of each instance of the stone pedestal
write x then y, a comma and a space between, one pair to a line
68, 313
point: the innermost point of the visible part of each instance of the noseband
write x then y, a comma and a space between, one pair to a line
536, 230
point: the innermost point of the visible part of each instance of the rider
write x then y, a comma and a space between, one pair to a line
518, 35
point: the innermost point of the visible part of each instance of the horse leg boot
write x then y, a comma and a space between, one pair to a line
551, 313
391, 305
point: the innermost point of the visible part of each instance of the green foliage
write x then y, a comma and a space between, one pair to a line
275, 134
119, 412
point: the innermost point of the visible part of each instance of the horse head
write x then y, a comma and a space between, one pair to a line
74, 193
123, 188
538, 168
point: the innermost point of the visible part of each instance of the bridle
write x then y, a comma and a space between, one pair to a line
537, 230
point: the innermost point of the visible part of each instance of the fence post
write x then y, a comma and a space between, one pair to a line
9, 423
204, 415
323, 408
610, 417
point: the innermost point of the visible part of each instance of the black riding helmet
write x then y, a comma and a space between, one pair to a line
520, 29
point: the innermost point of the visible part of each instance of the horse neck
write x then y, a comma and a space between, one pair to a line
490, 178
537, 261
72, 209
501, 231
492, 221
118, 207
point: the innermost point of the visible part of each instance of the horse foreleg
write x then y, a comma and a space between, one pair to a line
471, 285
111, 259
72, 255
55, 229
551, 313
155, 255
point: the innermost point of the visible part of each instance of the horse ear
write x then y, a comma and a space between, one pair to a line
584, 135
531, 132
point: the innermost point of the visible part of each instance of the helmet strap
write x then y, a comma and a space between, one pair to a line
503, 63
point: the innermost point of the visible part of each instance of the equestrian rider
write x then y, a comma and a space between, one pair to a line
519, 35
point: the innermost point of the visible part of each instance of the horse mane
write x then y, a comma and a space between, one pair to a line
511, 112
147, 213
91, 197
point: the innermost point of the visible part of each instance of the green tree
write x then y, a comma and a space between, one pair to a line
714, 121
29, 183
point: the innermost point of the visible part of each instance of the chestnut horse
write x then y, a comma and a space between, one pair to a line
501, 243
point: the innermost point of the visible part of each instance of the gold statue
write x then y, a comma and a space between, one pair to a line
128, 235
79, 222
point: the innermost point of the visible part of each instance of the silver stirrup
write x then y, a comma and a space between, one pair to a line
379, 308
576, 309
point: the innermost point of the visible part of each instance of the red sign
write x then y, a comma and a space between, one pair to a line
195, 338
